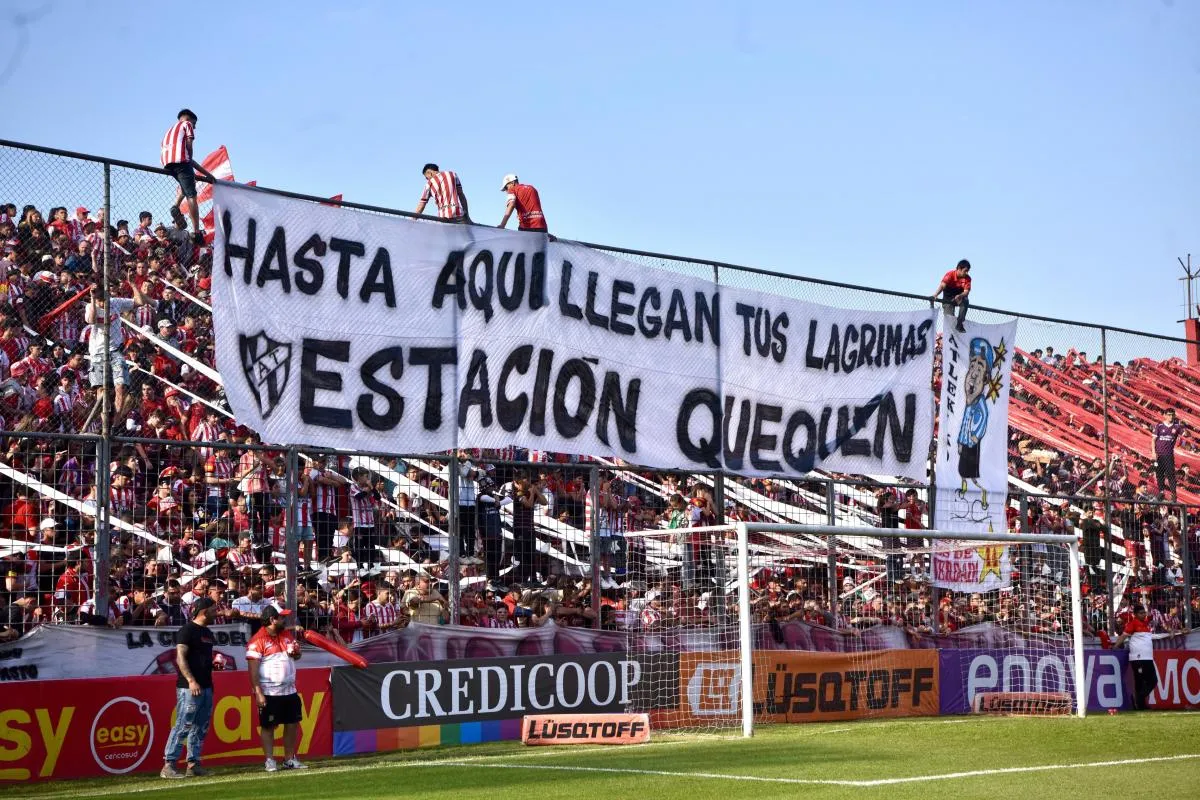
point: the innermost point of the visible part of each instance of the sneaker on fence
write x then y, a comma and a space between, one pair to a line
271, 766
197, 771
170, 771
294, 763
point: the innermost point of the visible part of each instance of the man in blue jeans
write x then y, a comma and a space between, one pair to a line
193, 692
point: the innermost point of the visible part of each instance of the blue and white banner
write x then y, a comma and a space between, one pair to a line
972, 452
353, 330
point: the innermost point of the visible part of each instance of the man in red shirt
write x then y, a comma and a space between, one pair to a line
954, 289
447, 193
177, 160
524, 198
270, 658
1141, 656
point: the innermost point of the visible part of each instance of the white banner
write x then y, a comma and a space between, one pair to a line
979, 567
359, 331
972, 453
54, 652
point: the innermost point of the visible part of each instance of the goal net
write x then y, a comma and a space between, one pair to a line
753, 623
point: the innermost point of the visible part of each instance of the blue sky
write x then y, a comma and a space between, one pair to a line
1052, 143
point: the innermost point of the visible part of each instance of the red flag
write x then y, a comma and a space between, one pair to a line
346, 654
217, 162
47, 319
336, 200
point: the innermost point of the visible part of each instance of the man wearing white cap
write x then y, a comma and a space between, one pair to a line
524, 198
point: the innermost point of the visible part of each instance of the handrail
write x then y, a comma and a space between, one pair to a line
609, 248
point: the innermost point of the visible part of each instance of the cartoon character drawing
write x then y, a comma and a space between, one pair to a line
981, 386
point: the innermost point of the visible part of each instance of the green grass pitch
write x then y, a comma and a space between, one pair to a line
1129, 755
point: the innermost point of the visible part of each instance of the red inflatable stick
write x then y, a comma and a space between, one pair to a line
349, 656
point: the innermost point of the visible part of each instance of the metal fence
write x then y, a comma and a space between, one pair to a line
184, 483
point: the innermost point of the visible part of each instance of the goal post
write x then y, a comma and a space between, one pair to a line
721, 614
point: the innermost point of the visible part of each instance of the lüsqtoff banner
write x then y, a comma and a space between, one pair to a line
352, 330
972, 453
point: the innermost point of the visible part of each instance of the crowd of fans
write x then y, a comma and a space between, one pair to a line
192, 520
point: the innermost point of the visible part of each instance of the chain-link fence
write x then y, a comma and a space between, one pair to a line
195, 503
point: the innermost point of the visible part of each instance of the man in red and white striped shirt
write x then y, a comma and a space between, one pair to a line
121, 494
177, 160
447, 193
381, 612
363, 507
302, 491
325, 520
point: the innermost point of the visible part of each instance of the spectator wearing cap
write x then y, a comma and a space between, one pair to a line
523, 199
193, 693
271, 659
447, 193
75, 226
167, 332
955, 289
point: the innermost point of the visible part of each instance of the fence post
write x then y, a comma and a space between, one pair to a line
1186, 557
104, 448
1111, 603
831, 555
594, 540
292, 541
453, 476
719, 496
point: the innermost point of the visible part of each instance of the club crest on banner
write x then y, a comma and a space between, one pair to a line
267, 365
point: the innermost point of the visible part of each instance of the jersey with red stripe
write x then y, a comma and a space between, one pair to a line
177, 143
326, 495
362, 507
303, 506
220, 466
121, 500
444, 187
381, 613
612, 522
277, 669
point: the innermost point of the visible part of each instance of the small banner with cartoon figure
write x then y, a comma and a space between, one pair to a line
972, 452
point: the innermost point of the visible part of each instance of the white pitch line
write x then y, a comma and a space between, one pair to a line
162, 786
834, 782
145, 785
1011, 770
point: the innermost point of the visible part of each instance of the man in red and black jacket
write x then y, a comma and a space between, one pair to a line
955, 289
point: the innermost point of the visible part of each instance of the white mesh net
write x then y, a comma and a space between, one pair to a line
851, 626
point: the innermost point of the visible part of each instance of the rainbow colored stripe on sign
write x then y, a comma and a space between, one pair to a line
383, 740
